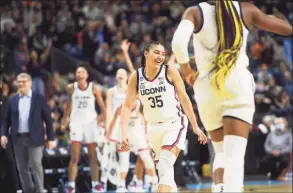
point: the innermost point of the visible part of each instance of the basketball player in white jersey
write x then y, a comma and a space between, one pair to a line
157, 86
83, 125
115, 99
223, 86
138, 140
137, 180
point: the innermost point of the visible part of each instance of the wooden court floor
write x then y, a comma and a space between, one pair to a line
249, 186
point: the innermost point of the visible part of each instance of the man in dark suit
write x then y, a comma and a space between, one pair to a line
9, 181
26, 114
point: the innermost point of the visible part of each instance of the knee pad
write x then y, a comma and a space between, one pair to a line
146, 159
124, 161
165, 168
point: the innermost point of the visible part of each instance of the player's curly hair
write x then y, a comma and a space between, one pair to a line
83, 65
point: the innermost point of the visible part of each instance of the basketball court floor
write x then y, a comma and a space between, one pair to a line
249, 186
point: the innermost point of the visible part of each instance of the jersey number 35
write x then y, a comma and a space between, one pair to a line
156, 101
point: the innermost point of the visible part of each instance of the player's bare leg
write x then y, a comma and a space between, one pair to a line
73, 166
92, 154
139, 169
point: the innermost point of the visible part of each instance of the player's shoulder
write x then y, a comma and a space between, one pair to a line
95, 87
171, 69
192, 11
172, 73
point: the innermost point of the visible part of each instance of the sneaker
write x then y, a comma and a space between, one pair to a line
154, 187
69, 189
121, 189
135, 187
217, 188
150, 187
98, 188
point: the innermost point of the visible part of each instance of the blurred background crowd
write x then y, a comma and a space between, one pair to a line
48, 39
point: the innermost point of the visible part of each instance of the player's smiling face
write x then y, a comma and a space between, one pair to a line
121, 76
156, 56
81, 74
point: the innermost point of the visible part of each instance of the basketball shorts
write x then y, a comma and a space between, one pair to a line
85, 132
167, 135
238, 104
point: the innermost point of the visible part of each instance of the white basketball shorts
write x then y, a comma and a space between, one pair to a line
239, 104
167, 135
86, 131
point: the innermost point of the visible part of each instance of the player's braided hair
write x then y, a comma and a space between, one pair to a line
147, 48
230, 38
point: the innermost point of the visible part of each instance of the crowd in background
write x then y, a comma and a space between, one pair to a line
92, 31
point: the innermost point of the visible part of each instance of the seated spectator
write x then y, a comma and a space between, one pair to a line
267, 124
278, 146
264, 75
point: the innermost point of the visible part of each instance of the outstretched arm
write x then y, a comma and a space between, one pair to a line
267, 22
125, 47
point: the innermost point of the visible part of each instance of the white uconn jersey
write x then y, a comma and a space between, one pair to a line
136, 119
83, 104
118, 99
158, 97
205, 39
